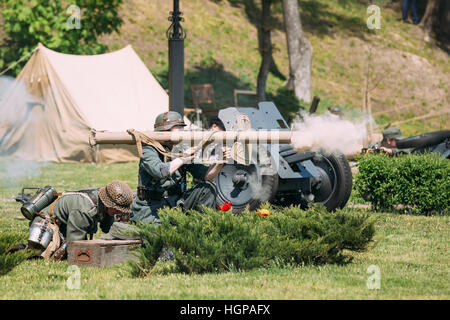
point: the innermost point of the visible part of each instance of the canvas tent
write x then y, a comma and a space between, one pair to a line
57, 99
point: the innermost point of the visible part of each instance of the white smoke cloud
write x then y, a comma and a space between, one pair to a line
14, 111
5, 84
13, 171
329, 132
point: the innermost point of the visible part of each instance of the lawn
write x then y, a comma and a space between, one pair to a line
411, 254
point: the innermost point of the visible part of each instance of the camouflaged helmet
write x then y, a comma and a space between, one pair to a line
393, 133
117, 195
165, 121
335, 110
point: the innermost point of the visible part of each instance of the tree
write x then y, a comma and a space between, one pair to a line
430, 17
265, 49
72, 29
299, 50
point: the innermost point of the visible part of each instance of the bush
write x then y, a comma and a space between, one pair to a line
51, 22
419, 182
10, 260
219, 241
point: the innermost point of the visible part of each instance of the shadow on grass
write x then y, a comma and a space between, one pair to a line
224, 83
318, 17
252, 9
321, 19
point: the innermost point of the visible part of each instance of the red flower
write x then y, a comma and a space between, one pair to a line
226, 206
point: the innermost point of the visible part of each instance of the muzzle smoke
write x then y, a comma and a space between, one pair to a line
329, 132
14, 111
5, 84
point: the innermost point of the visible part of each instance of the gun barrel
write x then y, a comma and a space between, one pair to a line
262, 136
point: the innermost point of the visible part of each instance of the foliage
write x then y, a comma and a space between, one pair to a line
10, 260
51, 22
287, 102
419, 182
217, 241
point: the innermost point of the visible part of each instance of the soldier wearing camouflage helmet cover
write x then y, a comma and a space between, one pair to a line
161, 180
77, 214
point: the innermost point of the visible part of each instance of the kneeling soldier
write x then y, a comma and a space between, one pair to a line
162, 183
74, 215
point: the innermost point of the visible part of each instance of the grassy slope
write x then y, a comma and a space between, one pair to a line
221, 48
412, 253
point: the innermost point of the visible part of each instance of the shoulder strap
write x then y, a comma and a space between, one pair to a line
84, 195
140, 138
90, 194
50, 210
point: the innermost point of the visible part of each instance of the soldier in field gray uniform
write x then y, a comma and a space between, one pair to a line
389, 142
77, 214
162, 183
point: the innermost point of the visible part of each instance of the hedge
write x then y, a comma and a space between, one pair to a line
416, 183
217, 241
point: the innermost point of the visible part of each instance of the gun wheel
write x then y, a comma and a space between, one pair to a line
336, 180
246, 185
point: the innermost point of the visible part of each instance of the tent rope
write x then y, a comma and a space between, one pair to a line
18, 61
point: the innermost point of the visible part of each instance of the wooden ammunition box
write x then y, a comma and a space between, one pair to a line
100, 253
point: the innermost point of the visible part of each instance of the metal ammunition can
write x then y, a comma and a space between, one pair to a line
40, 234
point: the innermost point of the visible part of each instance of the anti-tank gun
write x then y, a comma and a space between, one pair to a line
265, 166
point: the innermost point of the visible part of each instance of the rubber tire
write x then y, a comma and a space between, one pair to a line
344, 181
423, 140
269, 185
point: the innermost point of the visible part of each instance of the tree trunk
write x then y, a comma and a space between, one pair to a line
299, 50
429, 17
265, 49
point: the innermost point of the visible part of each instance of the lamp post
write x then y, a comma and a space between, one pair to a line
176, 36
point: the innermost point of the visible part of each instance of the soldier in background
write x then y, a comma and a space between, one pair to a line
162, 182
337, 110
389, 142
216, 124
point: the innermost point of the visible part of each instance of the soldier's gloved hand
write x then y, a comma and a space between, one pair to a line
122, 218
188, 155
227, 153
386, 150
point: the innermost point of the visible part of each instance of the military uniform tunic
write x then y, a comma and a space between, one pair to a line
79, 216
155, 176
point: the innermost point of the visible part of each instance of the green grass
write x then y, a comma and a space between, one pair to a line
412, 253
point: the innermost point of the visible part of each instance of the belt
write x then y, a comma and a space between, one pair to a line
144, 193
52, 216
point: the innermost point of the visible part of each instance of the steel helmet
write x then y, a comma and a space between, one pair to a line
117, 195
165, 121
